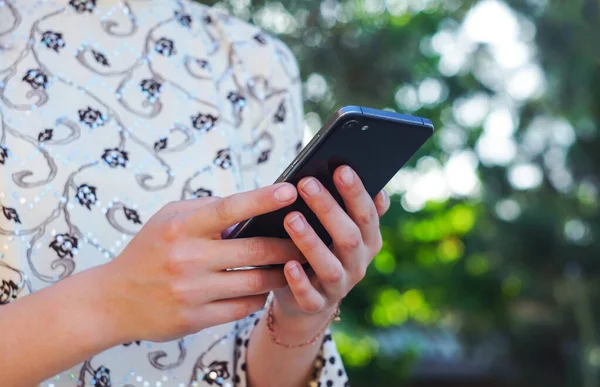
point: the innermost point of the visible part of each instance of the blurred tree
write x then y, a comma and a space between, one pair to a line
489, 267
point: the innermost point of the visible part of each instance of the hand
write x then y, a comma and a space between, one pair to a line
171, 280
356, 240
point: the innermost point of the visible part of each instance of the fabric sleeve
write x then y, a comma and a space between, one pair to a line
328, 370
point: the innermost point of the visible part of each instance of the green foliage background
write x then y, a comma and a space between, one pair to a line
518, 296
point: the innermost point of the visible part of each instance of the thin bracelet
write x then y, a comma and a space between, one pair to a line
272, 332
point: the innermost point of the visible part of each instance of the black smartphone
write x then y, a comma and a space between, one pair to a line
375, 143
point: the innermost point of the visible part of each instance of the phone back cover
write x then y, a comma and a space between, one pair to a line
376, 154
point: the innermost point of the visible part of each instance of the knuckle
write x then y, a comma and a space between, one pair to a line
352, 239
256, 248
327, 206
224, 210
355, 190
172, 228
312, 244
174, 264
360, 272
256, 283
334, 275
179, 296
258, 200
368, 217
301, 291
313, 306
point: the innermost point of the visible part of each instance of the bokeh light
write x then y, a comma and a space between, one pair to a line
489, 266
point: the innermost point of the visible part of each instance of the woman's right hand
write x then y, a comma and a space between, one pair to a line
171, 280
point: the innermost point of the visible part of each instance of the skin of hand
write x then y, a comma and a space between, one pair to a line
171, 280
356, 240
305, 305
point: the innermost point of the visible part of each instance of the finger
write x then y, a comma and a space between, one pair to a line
242, 283
344, 233
359, 204
224, 311
235, 253
382, 203
309, 299
327, 267
188, 205
223, 213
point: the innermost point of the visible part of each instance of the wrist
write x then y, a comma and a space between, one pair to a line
105, 305
300, 327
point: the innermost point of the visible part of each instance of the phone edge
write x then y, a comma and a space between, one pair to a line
317, 140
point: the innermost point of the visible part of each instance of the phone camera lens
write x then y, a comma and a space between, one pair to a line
351, 124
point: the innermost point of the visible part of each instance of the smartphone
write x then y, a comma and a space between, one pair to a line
375, 143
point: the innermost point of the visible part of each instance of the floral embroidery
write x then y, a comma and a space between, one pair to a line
183, 18
53, 40
151, 88
132, 215
8, 291
217, 373
11, 214
280, 113
80, 151
203, 63
202, 193
46, 135
223, 159
260, 38
160, 144
102, 377
264, 156
100, 58
64, 244
36, 79
86, 196
82, 6
204, 122
115, 158
165, 47
236, 99
91, 117
3, 154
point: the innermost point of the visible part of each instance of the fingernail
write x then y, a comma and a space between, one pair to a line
294, 271
296, 223
347, 175
284, 193
311, 187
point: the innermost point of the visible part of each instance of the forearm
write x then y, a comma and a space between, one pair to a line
55, 328
271, 365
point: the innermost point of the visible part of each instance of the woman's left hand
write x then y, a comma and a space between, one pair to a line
356, 240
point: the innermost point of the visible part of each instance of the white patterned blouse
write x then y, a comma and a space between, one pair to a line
109, 110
